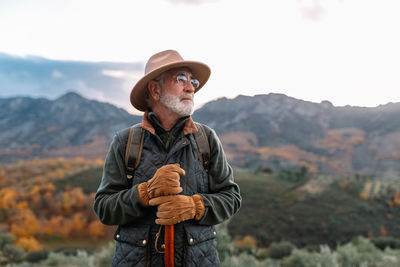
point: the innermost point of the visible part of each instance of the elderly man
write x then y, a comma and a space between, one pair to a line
171, 184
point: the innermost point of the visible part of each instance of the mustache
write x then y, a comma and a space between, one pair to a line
186, 95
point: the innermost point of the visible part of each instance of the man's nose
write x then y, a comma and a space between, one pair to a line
189, 87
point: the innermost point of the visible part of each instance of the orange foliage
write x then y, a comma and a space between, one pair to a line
73, 200
53, 225
96, 229
42, 198
22, 205
8, 199
68, 166
39, 190
22, 174
341, 142
24, 223
64, 230
59, 173
389, 216
79, 160
99, 162
396, 199
383, 231
2, 174
343, 139
247, 241
58, 226
240, 139
29, 244
28, 193
78, 223
363, 196
291, 152
355, 140
65, 227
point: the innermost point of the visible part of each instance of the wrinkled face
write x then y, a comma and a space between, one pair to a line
178, 91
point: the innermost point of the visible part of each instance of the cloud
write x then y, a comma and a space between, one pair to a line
41, 77
123, 74
311, 9
191, 2
316, 10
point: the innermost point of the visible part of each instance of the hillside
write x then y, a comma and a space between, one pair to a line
46, 201
43, 201
68, 126
310, 210
271, 131
279, 132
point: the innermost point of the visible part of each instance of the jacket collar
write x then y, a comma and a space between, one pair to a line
188, 128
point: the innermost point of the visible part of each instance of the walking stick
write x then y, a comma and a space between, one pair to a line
169, 246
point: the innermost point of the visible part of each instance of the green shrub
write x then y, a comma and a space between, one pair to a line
8, 252
383, 242
262, 254
280, 250
247, 260
60, 259
391, 258
304, 258
37, 256
104, 257
299, 175
225, 246
360, 252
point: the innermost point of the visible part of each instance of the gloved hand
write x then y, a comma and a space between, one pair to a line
178, 208
164, 182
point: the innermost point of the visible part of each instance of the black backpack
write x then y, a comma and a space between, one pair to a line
134, 148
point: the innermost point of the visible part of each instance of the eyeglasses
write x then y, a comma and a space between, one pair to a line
182, 79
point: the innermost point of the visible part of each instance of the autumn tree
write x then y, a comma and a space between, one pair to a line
42, 198
8, 199
97, 229
24, 223
29, 244
73, 200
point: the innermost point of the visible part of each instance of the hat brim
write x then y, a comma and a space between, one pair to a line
138, 94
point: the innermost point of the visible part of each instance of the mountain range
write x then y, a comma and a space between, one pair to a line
68, 126
264, 132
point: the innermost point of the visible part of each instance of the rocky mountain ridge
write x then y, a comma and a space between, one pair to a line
270, 131
276, 131
41, 127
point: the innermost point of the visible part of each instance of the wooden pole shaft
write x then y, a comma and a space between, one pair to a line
169, 246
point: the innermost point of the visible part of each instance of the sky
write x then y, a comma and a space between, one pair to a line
346, 52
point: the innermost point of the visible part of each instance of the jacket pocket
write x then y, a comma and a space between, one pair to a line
201, 249
131, 247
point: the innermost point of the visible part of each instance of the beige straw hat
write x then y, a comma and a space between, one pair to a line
160, 63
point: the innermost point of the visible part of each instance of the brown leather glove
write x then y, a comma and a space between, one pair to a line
164, 182
178, 208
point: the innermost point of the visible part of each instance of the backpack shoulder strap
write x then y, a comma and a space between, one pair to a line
134, 148
203, 146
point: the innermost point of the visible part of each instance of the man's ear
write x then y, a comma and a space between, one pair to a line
154, 90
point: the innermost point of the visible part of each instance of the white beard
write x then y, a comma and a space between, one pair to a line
174, 103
